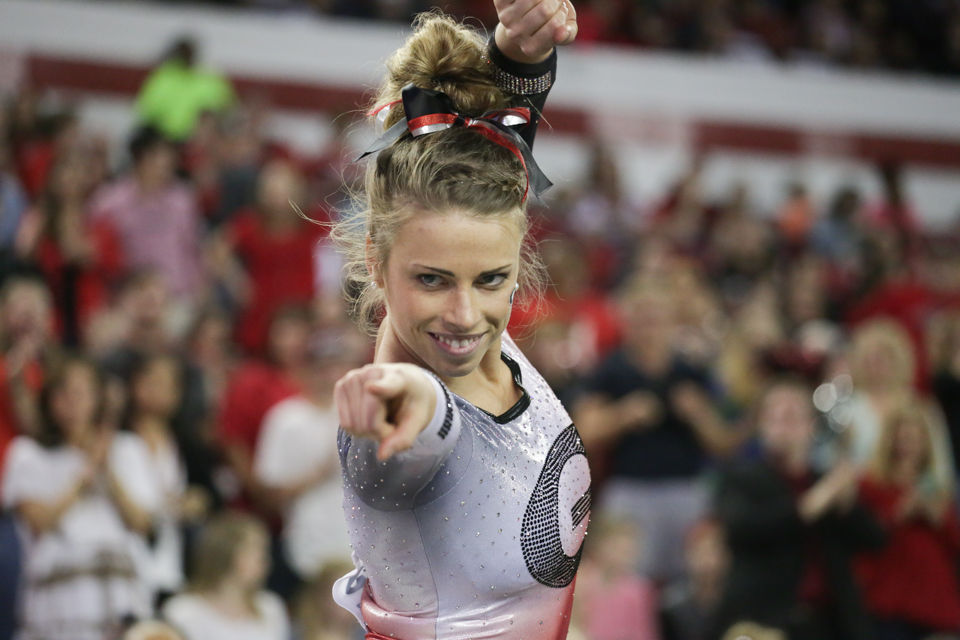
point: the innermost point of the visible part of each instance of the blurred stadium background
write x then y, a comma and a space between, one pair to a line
748, 193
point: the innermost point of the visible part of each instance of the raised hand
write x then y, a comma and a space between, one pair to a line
389, 403
530, 29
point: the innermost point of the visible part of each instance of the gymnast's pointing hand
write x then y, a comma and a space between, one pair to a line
390, 403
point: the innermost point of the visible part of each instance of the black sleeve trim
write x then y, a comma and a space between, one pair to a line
522, 69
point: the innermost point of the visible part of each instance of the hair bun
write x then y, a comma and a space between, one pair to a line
444, 55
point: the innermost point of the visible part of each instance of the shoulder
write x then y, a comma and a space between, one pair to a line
184, 608
24, 450
126, 443
288, 410
110, 197
272, 609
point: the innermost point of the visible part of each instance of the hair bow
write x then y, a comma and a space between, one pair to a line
428, 111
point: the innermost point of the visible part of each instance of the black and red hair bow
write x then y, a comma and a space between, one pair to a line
428, 111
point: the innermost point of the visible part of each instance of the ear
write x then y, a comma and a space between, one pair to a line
373, 262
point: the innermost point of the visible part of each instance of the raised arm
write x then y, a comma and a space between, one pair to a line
523, 51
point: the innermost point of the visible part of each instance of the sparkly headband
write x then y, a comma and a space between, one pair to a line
429, 111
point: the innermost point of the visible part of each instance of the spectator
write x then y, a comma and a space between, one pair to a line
156, 217
178, 91
225, 599
944, 349
86, 497
688, 605
317, 616
911, 585
80, 258
154, 395
297, 461
882, 365
656, 416
13, 200
255, 387
278, 251
791, 533
613, 602
27, 352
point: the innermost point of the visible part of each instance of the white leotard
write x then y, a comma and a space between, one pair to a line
474, 532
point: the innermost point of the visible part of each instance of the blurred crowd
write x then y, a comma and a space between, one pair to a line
769, 399
902, 35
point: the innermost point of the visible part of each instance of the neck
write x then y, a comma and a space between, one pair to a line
650, 357
705, 590
148, 337
904, 473
80, 437
232, 597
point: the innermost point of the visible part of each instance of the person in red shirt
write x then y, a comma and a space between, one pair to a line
279, 252
26, 353
79, 257
255, 387
911, 585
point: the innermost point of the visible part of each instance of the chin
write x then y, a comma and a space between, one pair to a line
444, 368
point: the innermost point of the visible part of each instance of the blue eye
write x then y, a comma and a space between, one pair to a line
493, 280
430, 280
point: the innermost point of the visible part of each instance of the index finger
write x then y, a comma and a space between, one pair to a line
401, 439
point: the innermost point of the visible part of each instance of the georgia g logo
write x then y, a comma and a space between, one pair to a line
555, 521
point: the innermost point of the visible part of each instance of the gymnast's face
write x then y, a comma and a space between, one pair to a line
448, 283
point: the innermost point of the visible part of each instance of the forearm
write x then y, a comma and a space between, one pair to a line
42, 517
281, 495
597, 422
134, 516
528, 83
716, 436
396, 480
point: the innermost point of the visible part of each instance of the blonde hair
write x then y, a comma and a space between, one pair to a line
455, 168
937, 465
880, 333
215, 552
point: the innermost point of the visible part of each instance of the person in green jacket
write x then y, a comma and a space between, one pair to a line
176, 92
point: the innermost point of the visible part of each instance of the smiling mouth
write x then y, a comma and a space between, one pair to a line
457, 345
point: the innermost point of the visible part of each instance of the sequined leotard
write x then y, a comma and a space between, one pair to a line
476, 531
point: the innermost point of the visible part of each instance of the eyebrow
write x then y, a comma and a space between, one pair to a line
453, 275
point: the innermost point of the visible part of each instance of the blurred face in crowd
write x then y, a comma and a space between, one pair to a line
706, 554
251, 562
210, 339
157, 387
25, 311
448, 285
648, 321
146, 301
785, 423
288, 339
156, 166
73, 403
280, 185
68, 178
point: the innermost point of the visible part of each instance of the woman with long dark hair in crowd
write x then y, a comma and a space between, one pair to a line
466, 489
86, 496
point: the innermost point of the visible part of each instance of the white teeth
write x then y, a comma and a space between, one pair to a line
457, 343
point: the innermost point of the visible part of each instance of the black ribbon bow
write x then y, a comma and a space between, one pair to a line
428, 111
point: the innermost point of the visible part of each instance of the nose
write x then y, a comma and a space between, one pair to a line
462, 313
